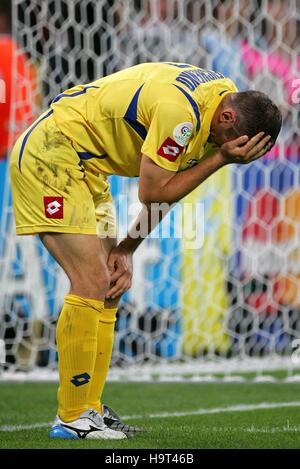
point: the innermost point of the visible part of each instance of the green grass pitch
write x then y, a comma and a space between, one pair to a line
216, 425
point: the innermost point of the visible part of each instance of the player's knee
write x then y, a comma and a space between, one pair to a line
98, 278
92, 282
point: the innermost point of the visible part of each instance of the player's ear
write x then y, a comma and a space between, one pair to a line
228, 116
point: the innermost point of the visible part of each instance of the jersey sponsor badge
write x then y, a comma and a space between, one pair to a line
54, 207
170, 150
182, 133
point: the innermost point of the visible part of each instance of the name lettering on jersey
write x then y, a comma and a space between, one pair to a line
54, 207
193, 78
182, 133
170, 149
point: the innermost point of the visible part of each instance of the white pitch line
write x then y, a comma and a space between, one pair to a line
216, 410
16, 428
252, 429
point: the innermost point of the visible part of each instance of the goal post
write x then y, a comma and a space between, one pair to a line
219, 296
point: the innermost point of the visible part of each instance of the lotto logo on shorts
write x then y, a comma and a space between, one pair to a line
54, 207
170, 150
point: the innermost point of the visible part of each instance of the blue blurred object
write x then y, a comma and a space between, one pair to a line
3, 167
224, 56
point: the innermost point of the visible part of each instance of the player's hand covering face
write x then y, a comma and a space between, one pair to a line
244, 150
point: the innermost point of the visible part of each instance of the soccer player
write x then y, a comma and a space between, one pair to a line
171, 124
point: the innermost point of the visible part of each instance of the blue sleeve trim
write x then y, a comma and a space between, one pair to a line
84, 155
131, 116
174, 64
27, 135
72, 95
194, 105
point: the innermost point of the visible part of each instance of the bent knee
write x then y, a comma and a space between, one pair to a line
91, 283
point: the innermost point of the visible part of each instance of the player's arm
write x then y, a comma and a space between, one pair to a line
120, 259
160, 185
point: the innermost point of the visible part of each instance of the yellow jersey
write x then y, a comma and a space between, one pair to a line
162, 110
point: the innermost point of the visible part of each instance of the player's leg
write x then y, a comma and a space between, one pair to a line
107, 233
83, 260
51, 198
106, 332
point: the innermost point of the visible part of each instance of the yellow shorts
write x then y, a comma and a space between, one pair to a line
52, 192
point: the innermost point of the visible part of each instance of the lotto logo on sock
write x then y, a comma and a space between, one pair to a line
54, 207
79, 380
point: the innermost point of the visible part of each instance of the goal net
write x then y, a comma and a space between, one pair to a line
225, 303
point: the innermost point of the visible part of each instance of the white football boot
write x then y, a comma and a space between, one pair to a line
89, 426
114, 422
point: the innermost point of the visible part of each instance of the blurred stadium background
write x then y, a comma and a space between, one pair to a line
232, 306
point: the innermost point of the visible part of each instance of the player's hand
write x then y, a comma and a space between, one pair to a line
244, 150
120, 266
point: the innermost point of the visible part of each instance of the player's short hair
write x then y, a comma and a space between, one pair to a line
256, 113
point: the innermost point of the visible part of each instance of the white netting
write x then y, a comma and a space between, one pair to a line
236, 298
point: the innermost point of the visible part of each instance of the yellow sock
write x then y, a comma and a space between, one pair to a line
76, 335
106, 332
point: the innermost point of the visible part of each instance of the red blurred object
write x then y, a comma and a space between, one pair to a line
263, 210
261, 303
19, 75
